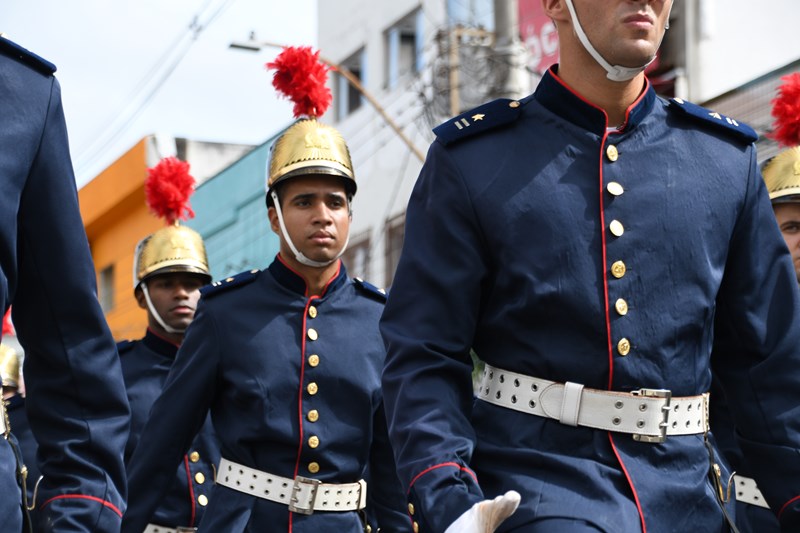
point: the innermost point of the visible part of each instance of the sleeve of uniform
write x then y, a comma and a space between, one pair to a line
175, 418
76, 398
757, 352
386, 501
428, 326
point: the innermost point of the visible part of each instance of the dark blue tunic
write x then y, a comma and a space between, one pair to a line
145, 365
509, 250
250, 357
76, 401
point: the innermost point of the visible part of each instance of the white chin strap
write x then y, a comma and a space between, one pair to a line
168, 329
297, 253
614, 72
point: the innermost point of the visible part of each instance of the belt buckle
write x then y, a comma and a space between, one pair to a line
296, 488
666, 394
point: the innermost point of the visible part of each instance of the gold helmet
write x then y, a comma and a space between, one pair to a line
171, 249
782, 176
310, 147
9, 366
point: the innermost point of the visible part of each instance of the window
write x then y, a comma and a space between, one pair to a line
395, 232
356, 257
106, 288
348, 98
472, 13
403, 43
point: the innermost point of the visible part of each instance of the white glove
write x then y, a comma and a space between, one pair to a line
485, 516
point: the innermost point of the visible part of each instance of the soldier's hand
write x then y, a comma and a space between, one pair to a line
485, 516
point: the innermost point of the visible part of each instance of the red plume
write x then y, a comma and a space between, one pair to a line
168, 188
300, 76
786, 110
8, 327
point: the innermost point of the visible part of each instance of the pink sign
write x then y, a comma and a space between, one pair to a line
538, 34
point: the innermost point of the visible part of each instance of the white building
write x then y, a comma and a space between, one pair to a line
424, 60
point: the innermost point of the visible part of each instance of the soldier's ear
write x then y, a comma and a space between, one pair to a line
139, 294
272, 214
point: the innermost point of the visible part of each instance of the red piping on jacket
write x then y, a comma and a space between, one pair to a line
84, 497
303, 364
191, 488
434, 467
605, 277
787, 504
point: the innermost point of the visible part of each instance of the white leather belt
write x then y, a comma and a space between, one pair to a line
747, 492
153, 528
302, 495
647, 414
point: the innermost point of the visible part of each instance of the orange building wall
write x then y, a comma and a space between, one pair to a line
116, 218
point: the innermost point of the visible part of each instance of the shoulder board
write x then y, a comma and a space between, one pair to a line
370, 290
12, 49
739, 130
228, 283
483, 118
125, 346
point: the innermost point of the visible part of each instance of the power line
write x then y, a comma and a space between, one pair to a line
138, 102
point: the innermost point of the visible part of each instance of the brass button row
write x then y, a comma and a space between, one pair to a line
618, 268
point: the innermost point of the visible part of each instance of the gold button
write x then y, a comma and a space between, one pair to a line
312, 334
614, 188
624, 346
313, 467
312, 388
618, 269
621, 306
368, 529
415, 527
513, 104
200, 478
313, 441
194, 457
616, 228
411, 508
228, 279
202, 500
612, 153
313, 360
312, 312
313, 415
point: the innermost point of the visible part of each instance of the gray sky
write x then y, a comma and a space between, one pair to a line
114, 58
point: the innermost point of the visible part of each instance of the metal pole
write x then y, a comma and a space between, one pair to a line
511, 80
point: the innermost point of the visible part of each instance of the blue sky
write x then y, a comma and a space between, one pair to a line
115, 62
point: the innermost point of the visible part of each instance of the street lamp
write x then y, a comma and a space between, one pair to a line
253, 45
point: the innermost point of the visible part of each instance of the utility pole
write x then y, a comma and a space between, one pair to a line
511, 79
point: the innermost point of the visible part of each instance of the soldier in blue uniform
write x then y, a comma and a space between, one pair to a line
170, 267
592, 242
75, 394
18, 419
288, 361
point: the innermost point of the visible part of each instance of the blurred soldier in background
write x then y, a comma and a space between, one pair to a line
14, 397
170, 266
75, 399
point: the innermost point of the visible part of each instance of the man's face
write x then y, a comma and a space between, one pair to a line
625, 32
174, 296
788, 217
316, 216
